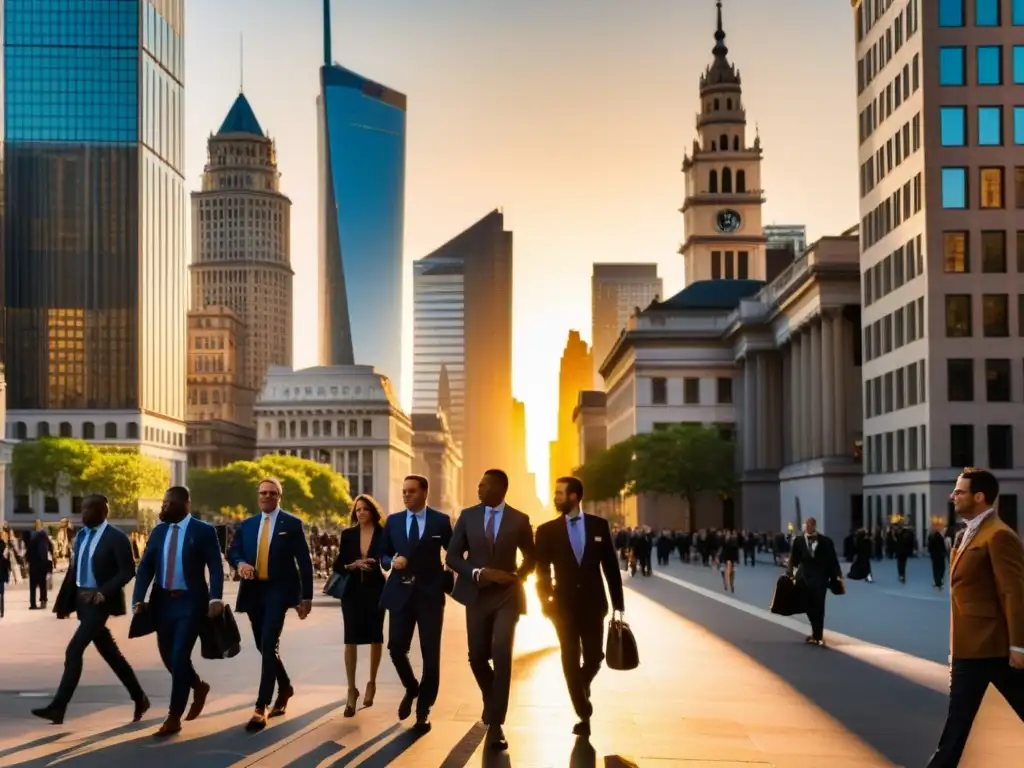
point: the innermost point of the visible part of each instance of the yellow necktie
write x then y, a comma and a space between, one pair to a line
263, 553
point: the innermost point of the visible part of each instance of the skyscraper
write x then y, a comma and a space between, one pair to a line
616, 290
362, 213
575, 374
463, 328
94, 213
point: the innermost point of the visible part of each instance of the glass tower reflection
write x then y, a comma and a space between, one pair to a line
362, 208
94, 256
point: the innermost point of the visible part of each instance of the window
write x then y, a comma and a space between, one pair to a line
954, 249
1018, 123
995, 315
960, 380
961, 445
991, 188
952, 66
1018, 65
993, 252
990, 65
958, 316
1000, 446
951, 13
990, 126
997, 381
1018, 186
953, 121
986, 13
1020, 251
716, 265
954, 188
1020, 314
659, 391
691, 391
1018, 13
725, 391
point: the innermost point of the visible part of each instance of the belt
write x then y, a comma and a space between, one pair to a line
174, 594
87, 594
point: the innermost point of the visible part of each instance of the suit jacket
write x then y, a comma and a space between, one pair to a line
200, 553
469, 551
577, 587
5, 564
349, 551
819, 569
290, 572
425, 565
112, 565
37, 549
986, 589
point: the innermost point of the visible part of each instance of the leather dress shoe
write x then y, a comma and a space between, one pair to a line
281, 704
258, 721
496, 738
171, 726
54, 714
141, 708
199, 695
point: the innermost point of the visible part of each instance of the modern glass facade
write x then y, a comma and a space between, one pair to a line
362, 159
95, 266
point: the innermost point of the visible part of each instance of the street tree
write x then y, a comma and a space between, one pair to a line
606, 474
126, 477
53, 465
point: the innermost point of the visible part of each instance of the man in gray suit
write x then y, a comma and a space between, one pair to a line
483, 552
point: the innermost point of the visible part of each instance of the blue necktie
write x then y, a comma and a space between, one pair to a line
85, 557
414, 531
577, 543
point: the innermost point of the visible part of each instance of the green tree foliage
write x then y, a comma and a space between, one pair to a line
684, 460
606, 475
53, 465
125, 477
312, 490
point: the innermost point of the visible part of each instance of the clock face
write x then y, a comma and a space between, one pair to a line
728, 221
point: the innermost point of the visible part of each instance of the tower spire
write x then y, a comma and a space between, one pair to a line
327, 33
720, 50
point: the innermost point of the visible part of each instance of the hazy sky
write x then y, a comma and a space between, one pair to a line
573, 116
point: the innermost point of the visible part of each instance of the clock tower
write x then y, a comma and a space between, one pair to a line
722, 209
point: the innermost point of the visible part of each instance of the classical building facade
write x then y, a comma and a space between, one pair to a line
219, 414
616, 292
942, 250
345, 416
241, 241
575, 373
438, 458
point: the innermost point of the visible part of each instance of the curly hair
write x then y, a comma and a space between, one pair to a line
372, 503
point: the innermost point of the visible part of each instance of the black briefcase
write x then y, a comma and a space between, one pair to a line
787, 599
620, 651
142, 624
336, 585
219, 637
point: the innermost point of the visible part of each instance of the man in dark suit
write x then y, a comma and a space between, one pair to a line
38, 554
414, 594
272, 557
986, 587
483, 552
93, 588
5, 569
178, 554
578, 548
814, 561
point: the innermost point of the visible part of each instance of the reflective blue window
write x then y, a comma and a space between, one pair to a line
954, 126
986, 13
990, 65
954, 187
1018, 65
1018, 13
952, 66
951, 13
990, 126
1018, 125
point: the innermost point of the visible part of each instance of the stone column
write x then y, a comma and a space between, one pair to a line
749, 415
815, 386
804, 405
828, 415
799, 414
763, 410
843, 369
786, 404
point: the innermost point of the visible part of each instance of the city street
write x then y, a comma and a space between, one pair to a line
719, 685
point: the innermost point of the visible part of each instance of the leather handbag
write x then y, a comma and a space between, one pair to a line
787, 599
219, 637
620, 651
836, 586
336, 585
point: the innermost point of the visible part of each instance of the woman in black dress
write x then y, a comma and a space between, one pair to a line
728, 556
359, 557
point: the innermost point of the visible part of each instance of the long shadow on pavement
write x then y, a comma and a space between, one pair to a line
898, 718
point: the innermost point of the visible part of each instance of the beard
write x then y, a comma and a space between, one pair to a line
172, 515
565, 507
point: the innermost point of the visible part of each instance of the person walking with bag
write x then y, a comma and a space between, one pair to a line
576, 549
815, 565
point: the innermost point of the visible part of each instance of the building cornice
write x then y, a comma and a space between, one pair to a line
722, 240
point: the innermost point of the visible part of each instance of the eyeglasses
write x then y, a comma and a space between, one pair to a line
269, 493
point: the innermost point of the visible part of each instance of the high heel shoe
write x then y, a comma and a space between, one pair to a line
350, 705
371, 691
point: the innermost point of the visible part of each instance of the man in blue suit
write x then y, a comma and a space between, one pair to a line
414, 594
179, 552
271, 554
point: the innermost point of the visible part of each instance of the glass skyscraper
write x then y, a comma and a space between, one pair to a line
362, 213
93, 244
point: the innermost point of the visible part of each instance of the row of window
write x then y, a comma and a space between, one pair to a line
989, 65
691, 391
888, 100
960, 380
987, 13
957, 193
895, 390
891, 212
730, 265
995, 315
741, 181
1000, 446
887, 45
19, 431
900, 146
956, 252
358, 482
903, 326
898, 268
900, 451
986, 129
290, 430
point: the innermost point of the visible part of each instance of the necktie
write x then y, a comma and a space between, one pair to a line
489, 529
263, 553
577, 544
171, 566
414, 531
85, 558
